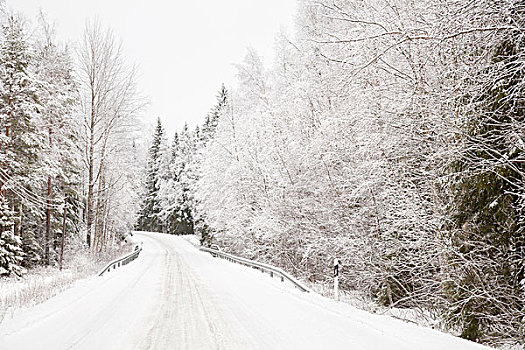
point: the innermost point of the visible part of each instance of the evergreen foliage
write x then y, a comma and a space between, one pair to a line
149, 219
41, 139
487, 208
212, 119
174, 195
20, 138
389, 135
32, 249
172, 173
183, 173
208, 132
11, 254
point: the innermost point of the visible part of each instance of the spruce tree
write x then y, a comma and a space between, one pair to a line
149, 219
488, 237
183, 172
206, 134
59, 159
212, 119
169, 190
11, 254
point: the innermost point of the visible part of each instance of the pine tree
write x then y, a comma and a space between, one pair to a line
18, 106
20, 138
60, 157
149, 219
11, 255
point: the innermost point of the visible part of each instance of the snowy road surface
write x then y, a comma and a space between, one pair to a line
176, 297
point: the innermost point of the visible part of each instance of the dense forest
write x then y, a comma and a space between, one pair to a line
68, 173
388, 134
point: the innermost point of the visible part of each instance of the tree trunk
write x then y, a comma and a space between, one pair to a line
63, 238
91, 166
47, 238
3, 178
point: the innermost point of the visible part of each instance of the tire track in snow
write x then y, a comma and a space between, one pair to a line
186, 315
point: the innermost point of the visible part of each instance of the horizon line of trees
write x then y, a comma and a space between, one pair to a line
171, 173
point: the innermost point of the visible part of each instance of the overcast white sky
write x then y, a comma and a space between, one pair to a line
184, 49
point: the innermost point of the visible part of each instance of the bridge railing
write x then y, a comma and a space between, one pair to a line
124, 260
265, 268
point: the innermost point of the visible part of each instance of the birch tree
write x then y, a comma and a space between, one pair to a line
109, 104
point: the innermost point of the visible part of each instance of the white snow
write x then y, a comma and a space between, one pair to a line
176, 297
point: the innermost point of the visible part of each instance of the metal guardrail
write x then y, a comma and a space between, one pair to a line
126, 259
272, 270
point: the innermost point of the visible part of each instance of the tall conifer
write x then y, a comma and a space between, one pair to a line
149, 215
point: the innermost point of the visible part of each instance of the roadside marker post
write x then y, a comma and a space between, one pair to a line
336, 279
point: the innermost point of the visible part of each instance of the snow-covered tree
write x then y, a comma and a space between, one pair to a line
212, 119
485, 285
110, 102
168, 190
149, 219
182, 170
21, 140
11, 254
383, 131
177, 183
42, 142
58, 110
207, 133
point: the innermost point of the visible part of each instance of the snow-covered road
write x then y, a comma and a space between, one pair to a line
176, 297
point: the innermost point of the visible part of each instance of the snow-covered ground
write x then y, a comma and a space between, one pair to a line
176, 297
44, 282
